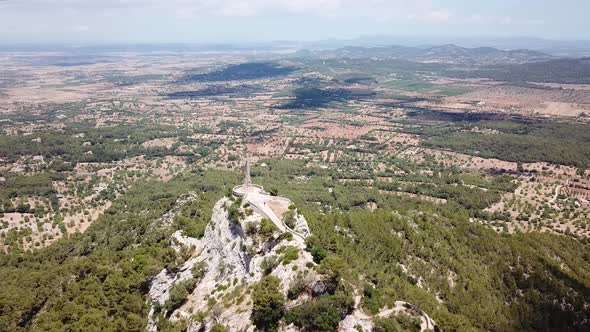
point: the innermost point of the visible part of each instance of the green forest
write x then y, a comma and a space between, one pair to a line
562, 143
437, 241
97, 281
437, 186
466, 276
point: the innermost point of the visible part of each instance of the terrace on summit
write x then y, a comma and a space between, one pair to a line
271, 207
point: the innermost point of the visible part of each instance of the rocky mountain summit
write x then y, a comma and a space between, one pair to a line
240, 247
256, 267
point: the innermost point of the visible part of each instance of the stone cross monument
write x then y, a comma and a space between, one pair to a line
247, 178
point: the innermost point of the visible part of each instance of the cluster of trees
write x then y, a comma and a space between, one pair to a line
99, 280
551, 71
574, 71
558, 143
128, 80
213, 90
316, 97
243, 71
22, 186
268, 304
193, 218
397, 324
321, 313
473, 192
439, 246
330, 303
527, 276
107, 144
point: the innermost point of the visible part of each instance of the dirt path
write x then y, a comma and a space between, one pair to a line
400, 306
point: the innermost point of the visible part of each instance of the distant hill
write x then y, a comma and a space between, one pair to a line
556, 71
243, 71
455, 54
560, 48
449, 53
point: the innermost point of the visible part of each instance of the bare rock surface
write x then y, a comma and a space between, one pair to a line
233, 261
234, 255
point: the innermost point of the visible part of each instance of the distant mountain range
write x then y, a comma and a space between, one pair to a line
449, 53
561, 48
563, 70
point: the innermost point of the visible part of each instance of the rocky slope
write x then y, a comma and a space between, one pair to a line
223, 265
214, 284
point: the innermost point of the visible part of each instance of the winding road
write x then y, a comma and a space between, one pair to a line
260, 201
400, 306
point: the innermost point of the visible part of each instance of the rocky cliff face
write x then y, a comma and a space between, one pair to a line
214, 283
232, 256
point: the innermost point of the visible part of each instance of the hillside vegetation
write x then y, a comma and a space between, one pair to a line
464, 274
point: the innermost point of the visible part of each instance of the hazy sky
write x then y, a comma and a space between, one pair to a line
264, 20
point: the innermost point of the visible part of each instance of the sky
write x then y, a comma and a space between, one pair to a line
225, 21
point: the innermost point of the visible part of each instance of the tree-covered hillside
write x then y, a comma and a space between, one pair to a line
466, 276
97, 281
